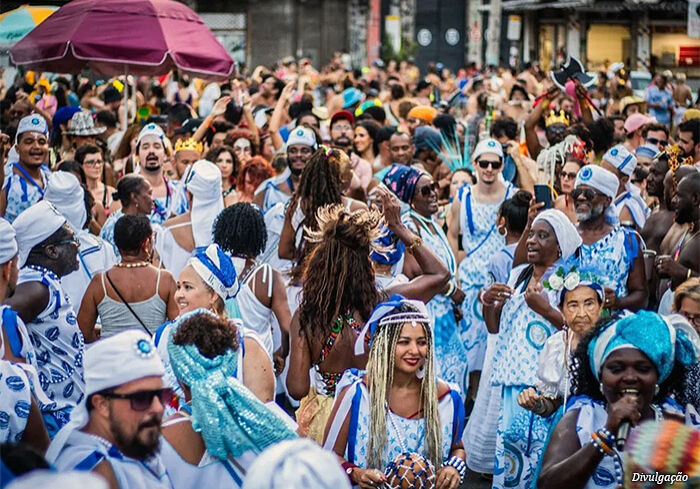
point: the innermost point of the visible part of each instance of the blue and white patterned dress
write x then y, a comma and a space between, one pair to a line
164, 207
107, 231
15, 402
450, 355
612, 257
480, 241
521, 434
22, 191
480, 433
273, 194
59, 347
403, 434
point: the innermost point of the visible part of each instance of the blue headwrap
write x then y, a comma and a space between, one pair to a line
653, 335
217, 270
394, 249
229, 417
382, 310
402, 181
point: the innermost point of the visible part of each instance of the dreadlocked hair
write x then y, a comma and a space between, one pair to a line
319, 186
584, 382
337, 276
380, 377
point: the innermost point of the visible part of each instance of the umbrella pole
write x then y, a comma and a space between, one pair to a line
133, 93
126, 97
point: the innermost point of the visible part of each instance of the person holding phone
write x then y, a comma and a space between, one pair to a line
474, 239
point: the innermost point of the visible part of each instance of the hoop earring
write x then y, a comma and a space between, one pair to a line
420, 373
502, 230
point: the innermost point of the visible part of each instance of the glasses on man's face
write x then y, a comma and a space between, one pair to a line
426, 190
588, 193
142, 400
74, 241
661, 143
493, 164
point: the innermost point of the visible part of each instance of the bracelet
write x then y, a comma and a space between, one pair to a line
600, 444
417, 241
608, 437
348, 467
459, 464
450, 289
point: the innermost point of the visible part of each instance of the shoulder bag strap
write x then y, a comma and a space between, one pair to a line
127, 304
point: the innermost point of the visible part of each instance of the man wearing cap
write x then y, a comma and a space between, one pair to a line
631, 209
82, 130
66, 193
420, 115
633, 130
115, 429
342, 133
48, 250
613, 250
428, 144
193, 229
150, 147
301, 144
473, 219
24, 184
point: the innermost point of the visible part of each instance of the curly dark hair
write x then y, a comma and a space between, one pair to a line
214, 153
338, 277
212, 335
130, 231
319, 186
240, 230
584, 382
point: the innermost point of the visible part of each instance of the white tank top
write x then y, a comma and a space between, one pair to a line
255, 315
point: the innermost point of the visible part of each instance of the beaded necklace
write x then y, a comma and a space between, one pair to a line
44, 271
138, 264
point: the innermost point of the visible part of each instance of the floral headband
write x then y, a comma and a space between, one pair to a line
563, 281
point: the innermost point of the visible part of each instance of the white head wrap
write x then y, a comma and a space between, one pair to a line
8, 243
567, 234
598, 178
204, 183
64, 191
150, 129
619, 157
302, 135
487, 145
34, 225
114, 361
296, 463
41, 479
32, 123
218, 270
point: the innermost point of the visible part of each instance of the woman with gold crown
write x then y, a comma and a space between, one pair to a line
397, 423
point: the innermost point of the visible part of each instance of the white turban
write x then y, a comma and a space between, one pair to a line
8, 243
567, 234
34, 225
598, 178
204, 183
218, 270
64, 191
31, 123
619, 157
296, 463
114, 361
151, 129
41, 479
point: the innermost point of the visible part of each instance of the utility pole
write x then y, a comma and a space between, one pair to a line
493, 37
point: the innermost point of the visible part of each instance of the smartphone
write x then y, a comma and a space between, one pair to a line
543, 194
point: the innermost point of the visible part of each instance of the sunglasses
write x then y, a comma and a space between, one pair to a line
426, 190
661, 143
569, 175
588, 193
494, 164
142, 400
74, 241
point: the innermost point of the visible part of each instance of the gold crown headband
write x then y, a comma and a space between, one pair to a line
188, 144
555, 117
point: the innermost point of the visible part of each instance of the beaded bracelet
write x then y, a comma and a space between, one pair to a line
608, 437
457, 463
600, 444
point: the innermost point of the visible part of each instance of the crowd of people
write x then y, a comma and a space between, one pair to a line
372, 278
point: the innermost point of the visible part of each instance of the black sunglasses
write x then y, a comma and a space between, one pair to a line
569, 175
494, 164
141, 400
74, 241
426, 189
661, 143
588, 193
